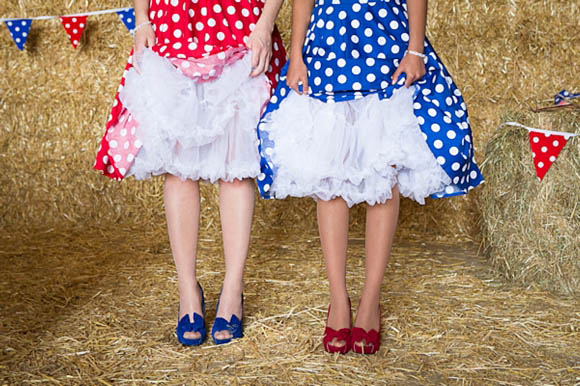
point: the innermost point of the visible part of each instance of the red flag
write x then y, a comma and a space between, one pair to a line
74, 27
546, 147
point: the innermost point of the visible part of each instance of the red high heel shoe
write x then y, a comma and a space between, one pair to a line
341, 335
371, 338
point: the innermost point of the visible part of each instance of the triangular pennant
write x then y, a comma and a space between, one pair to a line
563, 97
128, 18
545, 150
19, 30
74, 27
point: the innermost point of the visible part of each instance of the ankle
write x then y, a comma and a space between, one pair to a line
370, 298
233, 285
339, 298
368, 315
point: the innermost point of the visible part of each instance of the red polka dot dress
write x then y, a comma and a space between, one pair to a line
187, 106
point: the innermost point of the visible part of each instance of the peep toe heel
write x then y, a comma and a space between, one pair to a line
234, 326
198, 325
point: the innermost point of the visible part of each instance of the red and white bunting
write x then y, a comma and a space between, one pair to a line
546, 146
74, 27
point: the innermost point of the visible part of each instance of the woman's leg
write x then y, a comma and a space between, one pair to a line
236, 211
182, 211
333, 222
381, 223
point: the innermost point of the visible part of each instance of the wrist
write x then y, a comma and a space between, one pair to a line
140, 26
416, 54
141, 18
417, 47
267, 25
296, 57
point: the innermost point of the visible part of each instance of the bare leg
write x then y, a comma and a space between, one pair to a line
381, 223
333, 227
236, 211
182, 211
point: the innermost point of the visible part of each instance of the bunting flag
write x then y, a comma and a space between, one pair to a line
74, 27
128, 18
545, 150
546, 146
563, 97
19, 30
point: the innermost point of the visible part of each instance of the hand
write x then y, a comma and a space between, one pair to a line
260, 44
144, 37
413, 66
297, 73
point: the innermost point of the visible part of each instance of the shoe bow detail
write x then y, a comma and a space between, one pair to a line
185, 324
234, 327
365, 342
342, 335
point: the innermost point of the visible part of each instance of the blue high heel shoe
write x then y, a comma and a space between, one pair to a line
234, 326
185, 325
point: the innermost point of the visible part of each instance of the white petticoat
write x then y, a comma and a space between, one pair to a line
195, 130
357, 150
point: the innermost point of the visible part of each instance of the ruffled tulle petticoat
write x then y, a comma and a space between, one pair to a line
358, 150
193, 128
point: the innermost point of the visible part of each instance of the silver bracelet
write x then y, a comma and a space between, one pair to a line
140, 26
422, 56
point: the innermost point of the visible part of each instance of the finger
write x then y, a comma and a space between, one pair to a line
255, 55
138, 46
250, 42
134, 60
150, 41
293, 86
257, 68
305, 84
267, 59
396, 75
410, 80
263, 63
263, 66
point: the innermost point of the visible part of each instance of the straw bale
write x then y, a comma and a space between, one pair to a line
531, 229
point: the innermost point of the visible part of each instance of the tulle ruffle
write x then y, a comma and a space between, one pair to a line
358, 150
191, 129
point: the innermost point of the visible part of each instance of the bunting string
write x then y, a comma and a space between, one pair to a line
74, 24
100, 12
516, 124
546, 146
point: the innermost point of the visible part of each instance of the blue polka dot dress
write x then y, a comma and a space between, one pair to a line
355, 135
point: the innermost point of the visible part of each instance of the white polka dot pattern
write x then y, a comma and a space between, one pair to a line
357, 57
188, 33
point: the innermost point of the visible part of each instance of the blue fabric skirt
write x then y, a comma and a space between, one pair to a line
352, 48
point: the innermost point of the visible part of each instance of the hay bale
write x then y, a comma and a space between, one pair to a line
531, 229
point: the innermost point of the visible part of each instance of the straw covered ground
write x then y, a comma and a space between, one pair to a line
87, 287
76, 313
